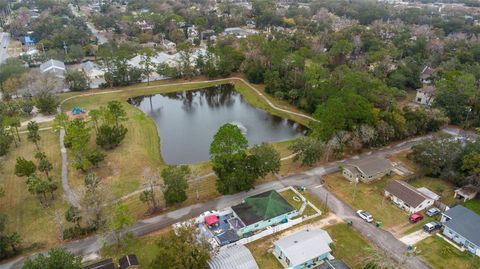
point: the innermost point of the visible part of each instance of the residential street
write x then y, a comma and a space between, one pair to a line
4, 41
310, 179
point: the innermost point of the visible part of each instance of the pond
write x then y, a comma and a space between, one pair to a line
188, 120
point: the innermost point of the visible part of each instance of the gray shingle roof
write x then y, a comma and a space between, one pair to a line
464, 222
403, 191
235, 257
305, 245
371, 166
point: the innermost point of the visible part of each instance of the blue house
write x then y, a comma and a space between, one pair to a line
461, 225
304, 249
262, 210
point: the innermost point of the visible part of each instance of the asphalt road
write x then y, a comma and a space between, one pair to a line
4, 40
311, 179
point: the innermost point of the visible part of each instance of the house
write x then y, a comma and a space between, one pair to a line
461, 226
128, 262
235, 31
207, 34
168, 45
367, 169
233, 257
467, 192
426, 75
145, 26
334, 264
53, 66
407, 197
262, 210
425, 95
304, 249
105, 264
92, 70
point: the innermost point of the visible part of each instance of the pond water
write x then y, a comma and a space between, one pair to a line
188, 120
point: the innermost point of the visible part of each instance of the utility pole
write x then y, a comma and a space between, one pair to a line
355, 189
65, 47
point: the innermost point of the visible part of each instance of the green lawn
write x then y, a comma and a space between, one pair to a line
439, 186
349, 245
123, 167
26, 216
144, 248
262, 252
368, 197
474, 205
288, 195
441, 255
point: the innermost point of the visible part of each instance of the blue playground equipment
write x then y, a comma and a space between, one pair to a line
77, 110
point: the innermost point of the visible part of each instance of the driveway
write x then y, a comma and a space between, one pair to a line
415, 237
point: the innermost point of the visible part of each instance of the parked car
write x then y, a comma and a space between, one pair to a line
415, 217
432, 226
433, 211
365, 215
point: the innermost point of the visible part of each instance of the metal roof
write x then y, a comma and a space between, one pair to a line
263, 206
52, 65
234, 257
464, 222
305, 245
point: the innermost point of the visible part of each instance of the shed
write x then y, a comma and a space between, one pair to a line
129, 262
466, 193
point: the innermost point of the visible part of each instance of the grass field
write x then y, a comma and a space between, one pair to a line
474, 205
441, 255
123, 168
26, 216
368, 197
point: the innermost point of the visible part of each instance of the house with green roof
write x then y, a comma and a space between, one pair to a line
262, 210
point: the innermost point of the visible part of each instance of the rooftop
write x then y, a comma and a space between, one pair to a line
371, 166
263, 206
235, 257
304, 245
406, 193
127, 261
52, 66
464, 222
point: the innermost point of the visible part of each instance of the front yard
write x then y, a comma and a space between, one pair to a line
368, 197
441, 255
348, 245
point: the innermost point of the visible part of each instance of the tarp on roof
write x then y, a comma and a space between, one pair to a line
212, 219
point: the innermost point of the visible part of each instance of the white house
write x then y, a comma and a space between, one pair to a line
53, 66
168, 45
407, 197
304, 249
425, 95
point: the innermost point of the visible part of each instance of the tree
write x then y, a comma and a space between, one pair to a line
44, 165
227, 142
24, 168
109, 137
33, 135
57, 258
471, 167
5, 141
9, 242
267, 159
175, 183
121, 219
439, 157
115, 108
307, 150
146, 63
47, 102
181, 249
148, 196
93, 201
12, 67
77, 80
